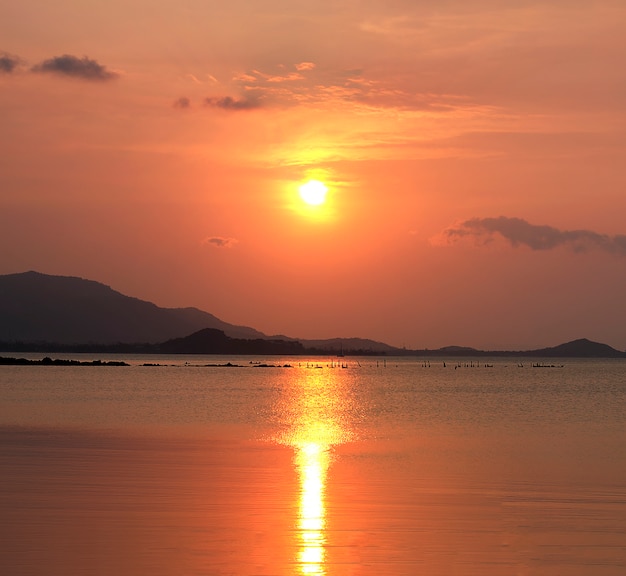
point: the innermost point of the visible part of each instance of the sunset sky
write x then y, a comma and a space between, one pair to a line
474, 153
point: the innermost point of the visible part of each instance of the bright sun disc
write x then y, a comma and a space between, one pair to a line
313, 192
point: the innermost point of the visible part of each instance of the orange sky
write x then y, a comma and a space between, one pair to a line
474, 153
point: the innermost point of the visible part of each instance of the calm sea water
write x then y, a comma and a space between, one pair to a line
395, 467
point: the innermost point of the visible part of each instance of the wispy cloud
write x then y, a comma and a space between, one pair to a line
82, 68
230, 103
8, 63
207, 79
282, 75
220, 241
519, 232
303, 66
307, 84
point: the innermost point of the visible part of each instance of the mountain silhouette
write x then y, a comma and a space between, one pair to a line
43, 312
37, 307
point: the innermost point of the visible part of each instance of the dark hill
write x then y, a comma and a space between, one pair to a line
37, 307
581, 348
349, 346
457, 350
212, 341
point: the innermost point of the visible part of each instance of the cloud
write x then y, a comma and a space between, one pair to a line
8, 63
221, 242
230, 103
306, 84
305, 66
246, 78
182, 102
518, 232
209, 79
278, 78
83, 68
258, 77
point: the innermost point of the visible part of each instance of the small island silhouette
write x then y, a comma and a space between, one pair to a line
47, 361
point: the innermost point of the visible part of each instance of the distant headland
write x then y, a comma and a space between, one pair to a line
44, 313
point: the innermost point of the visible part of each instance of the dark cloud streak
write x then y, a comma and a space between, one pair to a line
82, 68
221, 242
182, 102
230, 103
8, 63
519, 232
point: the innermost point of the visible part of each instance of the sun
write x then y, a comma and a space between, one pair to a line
313, 192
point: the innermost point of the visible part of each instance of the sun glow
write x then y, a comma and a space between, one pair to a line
313, 192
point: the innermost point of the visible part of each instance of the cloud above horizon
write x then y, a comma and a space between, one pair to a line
82, 68
220, 241
306, 84
8, 63
302, 66
182, 102
519, 232
230, 103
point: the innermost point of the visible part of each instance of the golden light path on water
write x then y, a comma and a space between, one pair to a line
312, 462
317, 407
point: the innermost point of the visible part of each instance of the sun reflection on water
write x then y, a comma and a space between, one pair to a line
312, 461
316, 409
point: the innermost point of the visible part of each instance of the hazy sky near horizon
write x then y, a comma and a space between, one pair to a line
474, 152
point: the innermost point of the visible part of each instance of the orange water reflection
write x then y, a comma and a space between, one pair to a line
316, 410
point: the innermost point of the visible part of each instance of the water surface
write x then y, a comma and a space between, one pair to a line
388, 466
